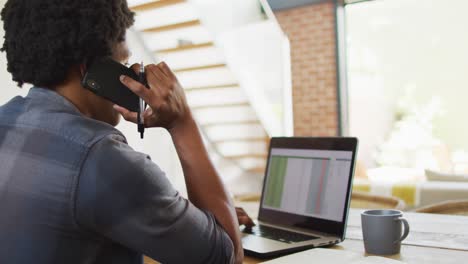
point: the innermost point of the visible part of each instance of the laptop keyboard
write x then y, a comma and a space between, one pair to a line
278, 234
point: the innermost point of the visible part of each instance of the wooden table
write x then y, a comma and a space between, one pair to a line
433, 238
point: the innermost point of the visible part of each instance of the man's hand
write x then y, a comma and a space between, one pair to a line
165, 98
244, 218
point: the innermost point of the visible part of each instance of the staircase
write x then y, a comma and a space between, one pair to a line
172, 31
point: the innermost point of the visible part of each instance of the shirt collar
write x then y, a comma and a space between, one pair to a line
52, 100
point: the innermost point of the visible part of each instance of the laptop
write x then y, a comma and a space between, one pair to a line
305, 197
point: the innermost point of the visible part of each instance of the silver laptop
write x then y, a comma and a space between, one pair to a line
305, 197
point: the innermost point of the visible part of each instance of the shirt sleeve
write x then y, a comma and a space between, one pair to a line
125, 197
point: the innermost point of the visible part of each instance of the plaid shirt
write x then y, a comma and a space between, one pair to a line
73, 191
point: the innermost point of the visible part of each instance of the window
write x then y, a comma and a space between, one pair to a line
407, 78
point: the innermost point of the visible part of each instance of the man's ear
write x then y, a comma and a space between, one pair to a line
83, 70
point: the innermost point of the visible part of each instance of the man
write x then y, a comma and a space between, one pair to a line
71, 189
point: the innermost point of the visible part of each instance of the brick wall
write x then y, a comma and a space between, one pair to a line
311, 31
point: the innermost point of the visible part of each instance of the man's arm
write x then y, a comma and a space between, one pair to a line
204, 186
124, 196
169, 109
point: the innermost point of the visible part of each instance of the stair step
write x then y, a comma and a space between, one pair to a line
207, 77
219, 95
240, 152
175, 26
155, 4
172, 14
186, 47
248, 163
214, 106
234, 140
247, 156
229, 123
257, 170
235, 131
193, 58
241, 113
241, 148
198, 68
170, 39
211, 87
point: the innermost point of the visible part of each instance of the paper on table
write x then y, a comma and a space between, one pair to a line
423, 239
330, 256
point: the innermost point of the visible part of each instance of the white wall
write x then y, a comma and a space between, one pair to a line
9, 89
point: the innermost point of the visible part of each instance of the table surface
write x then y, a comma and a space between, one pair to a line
433, 238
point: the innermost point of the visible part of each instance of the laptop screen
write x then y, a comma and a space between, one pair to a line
308, 182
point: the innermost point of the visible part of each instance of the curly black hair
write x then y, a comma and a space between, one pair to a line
45, 38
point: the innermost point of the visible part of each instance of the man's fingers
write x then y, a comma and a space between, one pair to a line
127, 115
248, 221
155, 80
163, 66
240, 211
136, 87
245, 220
162, 69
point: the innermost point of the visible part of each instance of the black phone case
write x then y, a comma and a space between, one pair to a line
103, 79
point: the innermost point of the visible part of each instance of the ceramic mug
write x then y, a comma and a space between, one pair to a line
383, 231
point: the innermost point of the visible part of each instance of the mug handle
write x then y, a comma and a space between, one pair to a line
406, 231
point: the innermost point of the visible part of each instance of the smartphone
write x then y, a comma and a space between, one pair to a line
103, 79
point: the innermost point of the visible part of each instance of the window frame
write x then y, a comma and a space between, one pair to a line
342, 65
